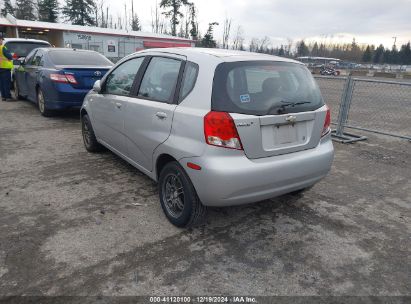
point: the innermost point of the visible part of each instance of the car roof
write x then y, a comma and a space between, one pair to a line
220, 54
25, 40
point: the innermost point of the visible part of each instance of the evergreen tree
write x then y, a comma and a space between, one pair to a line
315, 51
386, 56
135, 21
281, 51
405, 54
193, 22
208, 39
394, 55
48, 10
378, 54
79, 12
367, 56
302, 49
174, 12
25, 10
7, 9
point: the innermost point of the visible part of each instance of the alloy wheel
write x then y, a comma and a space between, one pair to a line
173, 195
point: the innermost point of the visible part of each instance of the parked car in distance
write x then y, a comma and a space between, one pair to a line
21, 47
212, 127
59, 78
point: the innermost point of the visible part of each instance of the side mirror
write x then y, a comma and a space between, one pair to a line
97, 86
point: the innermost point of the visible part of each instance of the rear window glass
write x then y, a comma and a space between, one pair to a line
22, 49
264, 88
70, 57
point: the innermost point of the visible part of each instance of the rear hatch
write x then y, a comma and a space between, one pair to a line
20, 49
277, 107
85, 76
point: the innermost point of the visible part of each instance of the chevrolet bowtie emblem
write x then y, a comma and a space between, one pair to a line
291, 118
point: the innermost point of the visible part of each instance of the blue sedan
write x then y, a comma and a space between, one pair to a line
59, 78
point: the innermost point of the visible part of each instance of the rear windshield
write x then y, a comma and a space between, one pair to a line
71, 57
264, 88
22, 49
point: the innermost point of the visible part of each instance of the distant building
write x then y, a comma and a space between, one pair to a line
113, 43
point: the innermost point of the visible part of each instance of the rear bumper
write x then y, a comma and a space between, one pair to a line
63, 96
234, 179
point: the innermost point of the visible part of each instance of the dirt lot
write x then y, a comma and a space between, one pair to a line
68, 225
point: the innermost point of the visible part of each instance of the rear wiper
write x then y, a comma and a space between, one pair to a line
281, 108
292, 104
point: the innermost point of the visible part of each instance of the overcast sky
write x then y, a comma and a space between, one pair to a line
370, 21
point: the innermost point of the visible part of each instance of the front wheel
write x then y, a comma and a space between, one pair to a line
178, 197
16, 91
42, 104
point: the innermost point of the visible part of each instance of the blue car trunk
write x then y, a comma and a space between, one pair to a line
85, 76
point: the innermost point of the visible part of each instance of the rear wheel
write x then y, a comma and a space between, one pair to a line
89, 138
178, 197
42, 104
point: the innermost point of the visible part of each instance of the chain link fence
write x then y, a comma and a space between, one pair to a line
377, 106
331, 89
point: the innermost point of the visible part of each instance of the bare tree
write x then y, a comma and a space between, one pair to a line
226, 32
259, 45
289, 46
157, 21
238, 40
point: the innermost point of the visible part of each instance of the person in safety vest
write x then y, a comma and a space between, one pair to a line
6, 65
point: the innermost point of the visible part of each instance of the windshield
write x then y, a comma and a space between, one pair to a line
264, 87
22, 49
71, 57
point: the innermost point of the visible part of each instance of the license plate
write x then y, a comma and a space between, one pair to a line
286, 134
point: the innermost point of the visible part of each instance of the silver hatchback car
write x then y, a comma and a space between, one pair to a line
212, 127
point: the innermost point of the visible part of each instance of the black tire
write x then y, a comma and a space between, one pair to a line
89, 138
181, 206
41, 103
16, 91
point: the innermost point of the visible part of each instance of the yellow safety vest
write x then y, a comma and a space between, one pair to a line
4, 62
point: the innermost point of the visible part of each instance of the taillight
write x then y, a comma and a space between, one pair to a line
63, 78
220, 131
327, 122
71, 79
15, 56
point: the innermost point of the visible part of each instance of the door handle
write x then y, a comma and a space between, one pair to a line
118, 105
161, 115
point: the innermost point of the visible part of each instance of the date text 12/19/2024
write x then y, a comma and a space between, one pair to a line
204, 299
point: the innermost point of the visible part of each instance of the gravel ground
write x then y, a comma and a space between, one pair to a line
74, 223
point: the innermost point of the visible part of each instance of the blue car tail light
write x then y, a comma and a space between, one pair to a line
63, 78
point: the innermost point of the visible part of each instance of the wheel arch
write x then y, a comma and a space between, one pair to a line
162, 160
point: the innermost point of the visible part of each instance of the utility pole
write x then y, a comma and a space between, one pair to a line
395, 41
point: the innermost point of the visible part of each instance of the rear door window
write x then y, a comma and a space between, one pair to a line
160, 79
264, 88
120, 81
